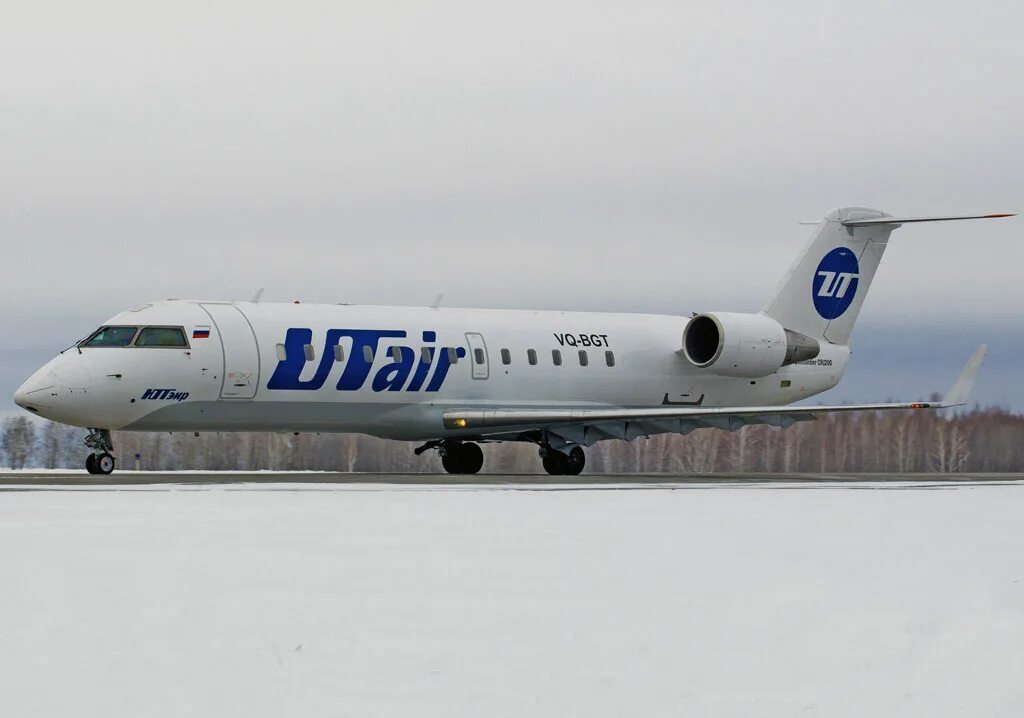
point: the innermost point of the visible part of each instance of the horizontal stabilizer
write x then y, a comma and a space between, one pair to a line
910, 220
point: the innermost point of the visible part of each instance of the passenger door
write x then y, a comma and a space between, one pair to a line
478, 355
241, 374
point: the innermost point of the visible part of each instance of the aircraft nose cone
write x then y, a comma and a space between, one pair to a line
37, 392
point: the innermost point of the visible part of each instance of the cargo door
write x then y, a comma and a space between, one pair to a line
241, 373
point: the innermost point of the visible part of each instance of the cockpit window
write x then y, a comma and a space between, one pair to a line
161, 337
111, 337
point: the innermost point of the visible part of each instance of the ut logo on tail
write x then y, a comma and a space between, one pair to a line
835, 283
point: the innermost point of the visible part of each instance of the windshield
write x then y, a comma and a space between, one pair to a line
161, 337
111, 337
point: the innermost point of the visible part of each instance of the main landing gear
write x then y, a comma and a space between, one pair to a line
558, 463
466, 457
461, 457
99, 461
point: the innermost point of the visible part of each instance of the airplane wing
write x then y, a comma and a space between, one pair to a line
585, 426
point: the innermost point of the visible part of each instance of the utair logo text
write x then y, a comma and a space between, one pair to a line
407, 369
835, 283
165, 394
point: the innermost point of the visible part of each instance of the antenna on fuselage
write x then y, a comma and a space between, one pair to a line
437, 302
256, 297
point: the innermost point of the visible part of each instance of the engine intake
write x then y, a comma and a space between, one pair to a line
747, 345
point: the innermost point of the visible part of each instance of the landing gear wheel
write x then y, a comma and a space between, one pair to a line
463, 458
555, 463
471, 458
99, 460
558, 464
104, 464
450, 461
575, 461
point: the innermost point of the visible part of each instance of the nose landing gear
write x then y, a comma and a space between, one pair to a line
99, 461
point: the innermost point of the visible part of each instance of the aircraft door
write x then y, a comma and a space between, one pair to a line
478, 355
241, 373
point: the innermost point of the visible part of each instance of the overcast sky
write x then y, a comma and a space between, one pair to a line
627, 156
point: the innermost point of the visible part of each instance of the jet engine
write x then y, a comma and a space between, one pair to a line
747, 345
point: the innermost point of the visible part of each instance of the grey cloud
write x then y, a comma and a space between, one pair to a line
543, 155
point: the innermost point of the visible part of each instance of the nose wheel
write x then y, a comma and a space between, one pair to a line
100, 460
99, 463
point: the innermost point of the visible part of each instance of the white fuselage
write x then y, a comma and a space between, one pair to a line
275, 367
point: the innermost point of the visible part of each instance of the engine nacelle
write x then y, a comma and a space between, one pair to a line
747, 345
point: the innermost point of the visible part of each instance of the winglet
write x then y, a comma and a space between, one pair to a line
960, 393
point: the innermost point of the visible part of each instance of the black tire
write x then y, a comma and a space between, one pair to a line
555, 463
450, 460
90, 463
471, 458
575, 461
104, 464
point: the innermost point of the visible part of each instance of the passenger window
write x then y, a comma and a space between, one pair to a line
584, 359
556, 357
307, 351
425, 353
396, 353
478, 355
453, 356
281, 353
367, 354
339, 352
506, 357
609, 358
531, 356
161, 337
111, 337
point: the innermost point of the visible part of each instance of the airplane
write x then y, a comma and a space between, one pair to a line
454, 379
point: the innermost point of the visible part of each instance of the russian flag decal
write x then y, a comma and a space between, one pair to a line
201, 332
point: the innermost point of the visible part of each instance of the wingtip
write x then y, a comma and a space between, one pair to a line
960, 393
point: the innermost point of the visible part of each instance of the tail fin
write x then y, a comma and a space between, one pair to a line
823, 291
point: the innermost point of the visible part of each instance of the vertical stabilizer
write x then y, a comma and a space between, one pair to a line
822, 293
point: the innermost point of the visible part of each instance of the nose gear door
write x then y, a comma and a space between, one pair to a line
241, 374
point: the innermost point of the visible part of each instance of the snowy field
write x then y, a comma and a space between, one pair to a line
836, 600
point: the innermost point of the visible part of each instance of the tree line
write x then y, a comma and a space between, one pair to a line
979, 440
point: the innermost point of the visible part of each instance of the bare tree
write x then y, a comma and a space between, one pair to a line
18, 441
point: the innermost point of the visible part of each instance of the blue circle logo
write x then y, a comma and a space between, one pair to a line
835, 283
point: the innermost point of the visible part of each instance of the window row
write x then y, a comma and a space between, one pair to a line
426, 354
556, 357
173, 337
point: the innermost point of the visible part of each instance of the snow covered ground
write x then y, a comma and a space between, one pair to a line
382, 601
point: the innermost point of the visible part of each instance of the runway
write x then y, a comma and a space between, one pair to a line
55, 478
293, 594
